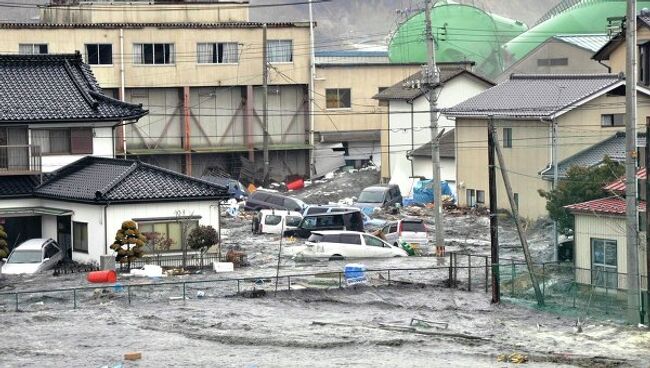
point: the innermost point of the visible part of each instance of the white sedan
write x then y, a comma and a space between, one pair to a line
34, 255
337, 244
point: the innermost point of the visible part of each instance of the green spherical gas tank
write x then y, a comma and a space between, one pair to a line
462, 33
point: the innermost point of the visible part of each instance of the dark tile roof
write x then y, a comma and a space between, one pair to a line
18, 186
535, 95
56, 88
104, 180
619, 39
612, 147
410, 88
447, 147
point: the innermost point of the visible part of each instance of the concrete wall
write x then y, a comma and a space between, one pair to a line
185, 71
594, 226
579, 61
124, 12
408, 131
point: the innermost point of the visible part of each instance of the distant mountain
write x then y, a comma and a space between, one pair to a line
370, 21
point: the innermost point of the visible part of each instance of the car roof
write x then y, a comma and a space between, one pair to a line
326, 232
33, 244
280, 212
351, 210
412, 219
376, 188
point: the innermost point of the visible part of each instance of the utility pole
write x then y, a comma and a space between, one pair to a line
555, 180
494, 220
312, 87
647, 219
631, 234
515, 215
432, 81
265, 102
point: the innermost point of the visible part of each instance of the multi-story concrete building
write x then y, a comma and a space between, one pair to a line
197, 67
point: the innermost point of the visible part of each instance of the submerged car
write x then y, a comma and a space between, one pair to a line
347, 220
368, 221
275, 221
409, 230
32, 256
334, 244
383, 196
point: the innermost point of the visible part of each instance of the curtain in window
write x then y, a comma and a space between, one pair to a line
138, 58
279, 51
59, 141
26, 49
230, 53
205, 53
41, 138
171, 54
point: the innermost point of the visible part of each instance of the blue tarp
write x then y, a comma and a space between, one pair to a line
423, 191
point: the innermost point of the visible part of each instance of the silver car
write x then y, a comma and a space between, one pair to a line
32, 256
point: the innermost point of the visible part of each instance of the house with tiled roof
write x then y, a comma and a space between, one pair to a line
541, 121
53, 112
83, 204
600, 244
409, 123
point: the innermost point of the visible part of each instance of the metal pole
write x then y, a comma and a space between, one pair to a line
277, 272
486, 274
515, 216
469, 272
630, 166
555, 180
312, 87
74, 298
494, 220
647, 219
265, 103
432, 82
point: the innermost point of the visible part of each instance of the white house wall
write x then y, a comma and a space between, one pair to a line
422, 166
403, 137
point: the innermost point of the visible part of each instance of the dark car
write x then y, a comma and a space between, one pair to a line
349, 220
379, 196
235, 189
262, 200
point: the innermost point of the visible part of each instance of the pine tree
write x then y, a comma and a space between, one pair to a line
4, 246
129, 243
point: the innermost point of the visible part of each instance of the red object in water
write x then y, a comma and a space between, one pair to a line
296, 184
102, 276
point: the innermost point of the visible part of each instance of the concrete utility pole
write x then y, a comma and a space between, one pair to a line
432, 81
631, 234
494, 220
265, 103
555, 181
312, 87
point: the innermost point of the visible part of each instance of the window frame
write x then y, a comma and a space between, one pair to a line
70, 137
480, 196
278, 41
338, 98
612, 123
608, 281
99, 63
183, 242
215, 53
553, 62
33, 45
644, 63
507, 137
75, 238
142, 56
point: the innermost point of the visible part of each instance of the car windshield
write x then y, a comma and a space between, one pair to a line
371, 197
293, 220
25, 256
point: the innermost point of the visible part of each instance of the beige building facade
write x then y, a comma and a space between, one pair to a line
198, 69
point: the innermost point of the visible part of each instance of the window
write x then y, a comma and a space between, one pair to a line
612, 120
507, 137
32, 48
293, 220
644, 63
217, 53
80, 237
153, 53
272, 220
372, 241
99, 54
383, 102
351, 239
470, 197
331, 238
553, 62
315, 210
480, 196
50, 250
63, 141
169, 234
279, 51
338, 98
604, 265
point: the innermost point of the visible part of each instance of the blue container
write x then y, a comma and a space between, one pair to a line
354, 272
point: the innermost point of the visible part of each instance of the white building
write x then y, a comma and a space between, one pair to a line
409, 119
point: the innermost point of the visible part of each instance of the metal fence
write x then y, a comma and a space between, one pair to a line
194, 260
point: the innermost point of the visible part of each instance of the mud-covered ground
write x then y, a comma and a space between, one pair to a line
323, 326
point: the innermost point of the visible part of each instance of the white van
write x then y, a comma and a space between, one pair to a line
272, 221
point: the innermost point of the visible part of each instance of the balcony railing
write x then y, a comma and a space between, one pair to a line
20, 159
